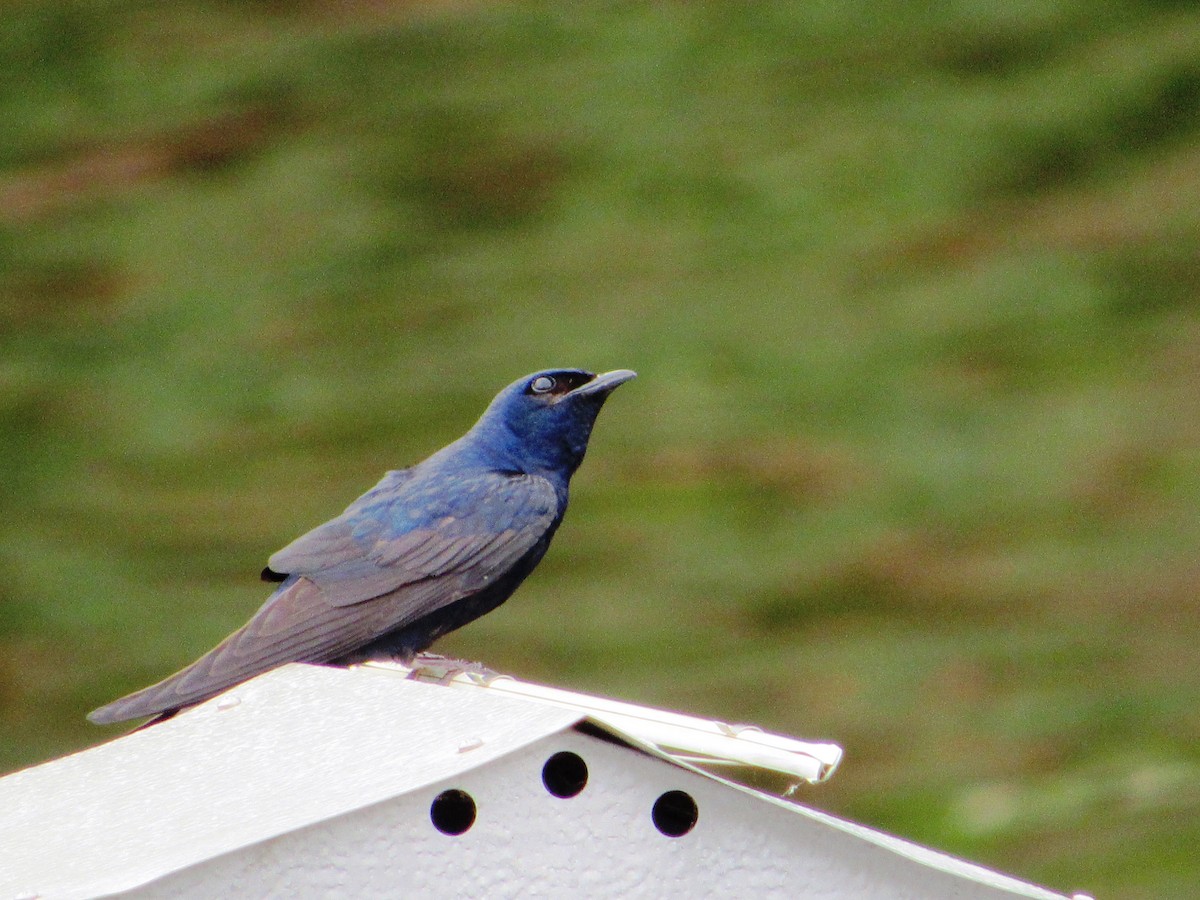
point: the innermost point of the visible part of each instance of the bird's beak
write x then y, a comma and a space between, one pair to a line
603, 384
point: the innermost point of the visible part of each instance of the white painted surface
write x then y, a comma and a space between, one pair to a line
602, 843
702, 742
317, 782
303, 744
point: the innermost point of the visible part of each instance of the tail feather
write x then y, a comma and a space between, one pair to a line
296, 625
163, 699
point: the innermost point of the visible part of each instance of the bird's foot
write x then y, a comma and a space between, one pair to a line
427, 659
435, 667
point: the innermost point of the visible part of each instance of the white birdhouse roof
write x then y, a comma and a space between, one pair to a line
304, 748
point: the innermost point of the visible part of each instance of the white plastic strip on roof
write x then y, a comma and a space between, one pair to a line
699, 742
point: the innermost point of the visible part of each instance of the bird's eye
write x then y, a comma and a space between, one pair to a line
542, 384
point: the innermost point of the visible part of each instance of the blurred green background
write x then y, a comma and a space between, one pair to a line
913, 289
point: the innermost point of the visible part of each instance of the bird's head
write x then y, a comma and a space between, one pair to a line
542, 422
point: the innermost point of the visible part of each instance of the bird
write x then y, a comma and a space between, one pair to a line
425, 551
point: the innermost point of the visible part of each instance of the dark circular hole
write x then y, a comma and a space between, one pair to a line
565, 774
452, 812
675, 813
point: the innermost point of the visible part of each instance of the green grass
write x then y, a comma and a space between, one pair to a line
915, 298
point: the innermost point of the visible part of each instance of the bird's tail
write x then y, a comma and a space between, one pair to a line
294, 625
208, 676
161, 700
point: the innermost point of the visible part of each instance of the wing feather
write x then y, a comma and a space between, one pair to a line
496, 533
339, 540
325, 615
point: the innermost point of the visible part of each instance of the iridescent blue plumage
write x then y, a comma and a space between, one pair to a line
425, 551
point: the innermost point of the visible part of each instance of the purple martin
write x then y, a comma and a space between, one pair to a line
427, 550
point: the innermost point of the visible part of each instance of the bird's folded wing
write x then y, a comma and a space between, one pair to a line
342, 539
322, 616
356, 558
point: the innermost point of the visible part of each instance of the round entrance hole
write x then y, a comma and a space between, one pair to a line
675, 813
452, 812
565, 774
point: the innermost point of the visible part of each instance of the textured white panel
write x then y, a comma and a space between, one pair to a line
292, 747
602, 843
317, 782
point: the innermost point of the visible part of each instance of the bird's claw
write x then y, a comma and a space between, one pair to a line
442, 669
